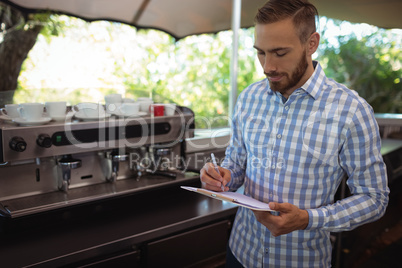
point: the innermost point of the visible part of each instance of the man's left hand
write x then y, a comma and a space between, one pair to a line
290, 218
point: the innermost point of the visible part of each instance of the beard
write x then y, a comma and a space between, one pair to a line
290, 80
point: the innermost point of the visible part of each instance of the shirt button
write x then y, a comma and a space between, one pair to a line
286, 108
279, 136
273, 166
266, 250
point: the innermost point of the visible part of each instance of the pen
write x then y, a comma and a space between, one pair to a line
217, 170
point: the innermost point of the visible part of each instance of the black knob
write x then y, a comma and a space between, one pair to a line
44, 141
18, 144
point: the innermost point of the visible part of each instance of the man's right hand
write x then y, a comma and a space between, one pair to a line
212, 180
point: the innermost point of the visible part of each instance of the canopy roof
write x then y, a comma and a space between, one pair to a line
181, 18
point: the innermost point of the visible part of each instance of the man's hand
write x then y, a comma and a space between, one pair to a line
290, 218
212, 180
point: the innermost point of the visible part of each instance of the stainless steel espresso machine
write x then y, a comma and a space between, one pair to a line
61, 164
105, 193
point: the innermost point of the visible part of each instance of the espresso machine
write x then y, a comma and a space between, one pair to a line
104, 193
73, 162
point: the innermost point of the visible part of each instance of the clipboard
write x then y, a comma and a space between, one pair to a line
232, 197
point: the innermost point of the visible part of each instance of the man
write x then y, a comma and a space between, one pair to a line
295, 136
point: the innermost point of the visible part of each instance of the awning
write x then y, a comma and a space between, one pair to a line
181, 18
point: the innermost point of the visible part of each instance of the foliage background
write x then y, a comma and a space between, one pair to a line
85, 61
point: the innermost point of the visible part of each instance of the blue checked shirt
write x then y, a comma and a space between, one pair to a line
297, 151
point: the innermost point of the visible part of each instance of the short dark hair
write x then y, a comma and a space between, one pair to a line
302, 12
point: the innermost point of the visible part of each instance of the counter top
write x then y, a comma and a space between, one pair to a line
390, 145
208, 139
133, 220
389, 119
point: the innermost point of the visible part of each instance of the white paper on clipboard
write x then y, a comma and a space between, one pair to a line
233, 197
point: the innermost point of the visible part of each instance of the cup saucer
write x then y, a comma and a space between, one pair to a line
81, 116
5, 117
64, 117
121, 114
38, 122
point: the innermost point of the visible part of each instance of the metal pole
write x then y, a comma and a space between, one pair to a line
236, 18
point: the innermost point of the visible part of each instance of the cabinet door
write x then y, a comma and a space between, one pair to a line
189, 248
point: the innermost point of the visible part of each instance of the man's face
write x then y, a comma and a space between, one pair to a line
282, 56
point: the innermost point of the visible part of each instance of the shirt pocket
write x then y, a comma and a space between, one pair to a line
321, 136
256, 132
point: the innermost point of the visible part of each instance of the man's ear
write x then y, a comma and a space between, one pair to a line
313, 43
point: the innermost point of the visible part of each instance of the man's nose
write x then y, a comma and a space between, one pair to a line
269, 64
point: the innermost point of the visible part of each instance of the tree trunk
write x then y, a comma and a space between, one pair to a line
18, 40
6, 97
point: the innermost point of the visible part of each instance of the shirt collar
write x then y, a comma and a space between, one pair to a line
314, 84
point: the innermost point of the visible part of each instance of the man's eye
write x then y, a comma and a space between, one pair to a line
280, 54
260, 53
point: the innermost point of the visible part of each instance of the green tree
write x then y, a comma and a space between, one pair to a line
194, 71
18, 34
371, 66
197, 75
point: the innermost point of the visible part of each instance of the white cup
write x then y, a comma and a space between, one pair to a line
129, 108
31, 111
89, 109
144, 105
170, 109
114, 98
112, 102
11, 110
56, 109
